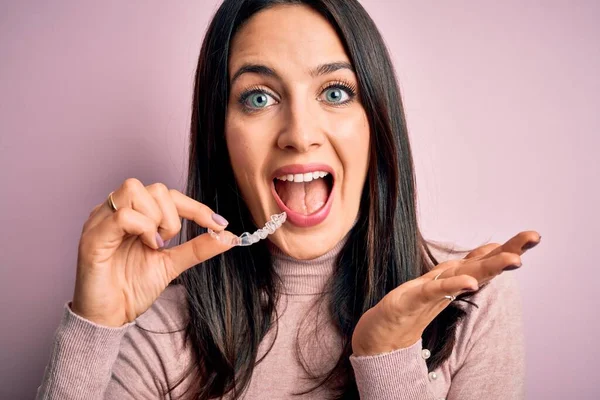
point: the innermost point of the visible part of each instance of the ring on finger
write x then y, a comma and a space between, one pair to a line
450, 297
111, 202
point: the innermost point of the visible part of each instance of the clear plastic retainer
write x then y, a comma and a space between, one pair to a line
246, 238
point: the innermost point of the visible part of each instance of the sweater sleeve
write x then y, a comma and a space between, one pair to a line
487, 361
81, 362
397, 375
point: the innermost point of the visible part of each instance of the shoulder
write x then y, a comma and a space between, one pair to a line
503, 287
498, 305
497, 317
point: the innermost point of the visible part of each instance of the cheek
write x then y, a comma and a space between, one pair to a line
240, 147
351, 141
239, 150
247, 153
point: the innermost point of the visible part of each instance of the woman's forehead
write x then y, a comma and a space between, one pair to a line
295, 39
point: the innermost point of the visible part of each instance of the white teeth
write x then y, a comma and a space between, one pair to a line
306, 177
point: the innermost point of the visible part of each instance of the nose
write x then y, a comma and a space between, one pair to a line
302, 131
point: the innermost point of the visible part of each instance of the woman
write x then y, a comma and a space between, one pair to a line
296, 109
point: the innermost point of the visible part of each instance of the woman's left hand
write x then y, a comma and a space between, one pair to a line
399, 319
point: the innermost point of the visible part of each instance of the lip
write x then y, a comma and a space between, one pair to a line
295, 218
302, 169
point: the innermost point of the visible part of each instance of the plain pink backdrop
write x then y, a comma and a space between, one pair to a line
502, 101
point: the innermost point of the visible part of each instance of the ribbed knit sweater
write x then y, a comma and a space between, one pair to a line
89, 361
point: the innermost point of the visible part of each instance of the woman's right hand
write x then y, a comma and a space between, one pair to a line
121, 267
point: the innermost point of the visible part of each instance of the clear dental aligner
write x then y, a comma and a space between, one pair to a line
246, 238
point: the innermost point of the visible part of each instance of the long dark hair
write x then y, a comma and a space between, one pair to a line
232, 297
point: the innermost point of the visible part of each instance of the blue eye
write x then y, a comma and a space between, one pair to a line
257, 100
335, 95
338, 94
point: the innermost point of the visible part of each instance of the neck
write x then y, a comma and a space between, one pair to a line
305, 277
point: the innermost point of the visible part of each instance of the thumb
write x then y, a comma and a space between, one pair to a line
195, 251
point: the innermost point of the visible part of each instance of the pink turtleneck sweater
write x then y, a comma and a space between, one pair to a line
89, 361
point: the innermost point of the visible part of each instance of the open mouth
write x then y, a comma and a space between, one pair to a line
304, 192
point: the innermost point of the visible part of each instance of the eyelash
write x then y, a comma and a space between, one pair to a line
337, 84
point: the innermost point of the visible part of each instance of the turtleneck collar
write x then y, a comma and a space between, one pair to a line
305, 277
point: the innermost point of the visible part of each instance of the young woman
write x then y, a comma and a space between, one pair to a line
296, 110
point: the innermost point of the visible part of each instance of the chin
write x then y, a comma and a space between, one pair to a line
303, 247
308, 244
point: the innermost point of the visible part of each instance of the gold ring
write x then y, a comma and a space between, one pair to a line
438, 275
111, 202
451, 298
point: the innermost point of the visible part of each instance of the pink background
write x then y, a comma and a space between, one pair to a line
502, 100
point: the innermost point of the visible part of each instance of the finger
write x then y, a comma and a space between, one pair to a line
195, 211
88, 222
482, 250
170, 224
195, 251
95, 209
518, 244
486, 268
131, 194
438, 270
411, 299
425, 278
434, 291
125, 221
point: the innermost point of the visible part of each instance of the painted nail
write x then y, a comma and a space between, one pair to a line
219, 219
159, 242
511, 267
529, 245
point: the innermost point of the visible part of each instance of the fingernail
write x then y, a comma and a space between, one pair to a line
529, 245
470, 289
511, 267
159, 242
219, 219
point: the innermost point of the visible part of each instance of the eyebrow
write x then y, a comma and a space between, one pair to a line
263, 70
